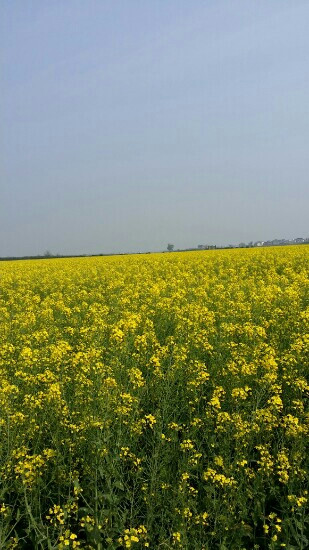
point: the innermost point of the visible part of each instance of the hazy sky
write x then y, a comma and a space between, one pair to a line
125, 125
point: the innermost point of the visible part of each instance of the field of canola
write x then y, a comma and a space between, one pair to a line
155, 401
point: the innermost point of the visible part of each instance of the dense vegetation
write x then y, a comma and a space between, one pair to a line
155, 401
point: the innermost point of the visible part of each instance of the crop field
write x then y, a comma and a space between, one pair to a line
155, 401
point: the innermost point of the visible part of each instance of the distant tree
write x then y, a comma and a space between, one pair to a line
47, 254
170, 247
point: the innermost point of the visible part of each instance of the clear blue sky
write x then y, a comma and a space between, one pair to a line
125, 125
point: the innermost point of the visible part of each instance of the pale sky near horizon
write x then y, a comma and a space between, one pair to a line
127, 125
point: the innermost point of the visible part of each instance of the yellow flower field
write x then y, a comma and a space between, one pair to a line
155, 401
